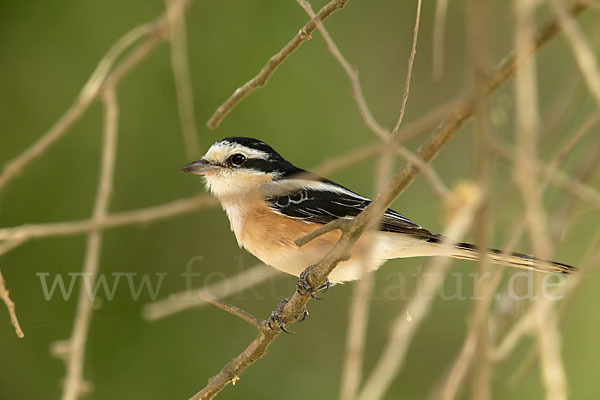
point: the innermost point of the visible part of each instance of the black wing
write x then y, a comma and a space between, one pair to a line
323, 206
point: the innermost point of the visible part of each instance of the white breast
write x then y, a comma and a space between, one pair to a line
236, 218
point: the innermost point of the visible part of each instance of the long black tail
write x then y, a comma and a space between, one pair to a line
471, 252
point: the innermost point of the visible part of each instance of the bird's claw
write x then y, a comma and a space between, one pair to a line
276, 320
303, 287
304, 315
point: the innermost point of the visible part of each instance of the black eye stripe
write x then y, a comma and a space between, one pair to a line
259, 164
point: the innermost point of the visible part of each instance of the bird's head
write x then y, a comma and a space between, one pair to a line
237, 166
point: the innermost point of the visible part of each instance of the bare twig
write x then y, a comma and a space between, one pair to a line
411, 61
358, 312
465, 358
74, 382
468, 350
274, 62
436, 182
559, 178
478, 23
584, 173
192, 299
361, 294
339, 223
358, 318
230, 308
350, 71
10, 305
589, 266
368, 118
183, 81
584, 54
430, 120
439, 28
141, 216
99, 79
8, 245
524, 326
402, 330
527, 323
553, 373
549, 352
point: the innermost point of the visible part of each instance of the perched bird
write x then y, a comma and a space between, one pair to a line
271, 203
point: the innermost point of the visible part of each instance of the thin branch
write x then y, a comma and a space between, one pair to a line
75, 385
359, 308
274, 62
9, 245
99, 79
430, 120
465, 358
549, 353
357, 93
335, 163
559, 178
10, 305
582, 50
524, 326
358, 311
350, 71
468, 350
336, 224
187, 299
585, 172
183, 80
436, 182
411, 61
528, 321
358, 318
532, 356
478, 23
439, 30
402, 331
230, 308
141, 216
553, 374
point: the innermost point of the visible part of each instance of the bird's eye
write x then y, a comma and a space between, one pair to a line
237, 159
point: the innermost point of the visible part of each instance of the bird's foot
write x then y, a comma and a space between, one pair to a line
275, 319
304, 287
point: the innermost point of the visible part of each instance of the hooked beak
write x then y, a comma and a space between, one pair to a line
199, 167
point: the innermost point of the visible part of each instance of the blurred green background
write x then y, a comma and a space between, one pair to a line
49, 49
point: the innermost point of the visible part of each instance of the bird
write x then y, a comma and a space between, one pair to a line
271, 203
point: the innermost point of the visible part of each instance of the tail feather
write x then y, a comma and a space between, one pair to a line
471, 252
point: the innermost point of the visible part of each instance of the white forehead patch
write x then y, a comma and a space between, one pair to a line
220, 151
